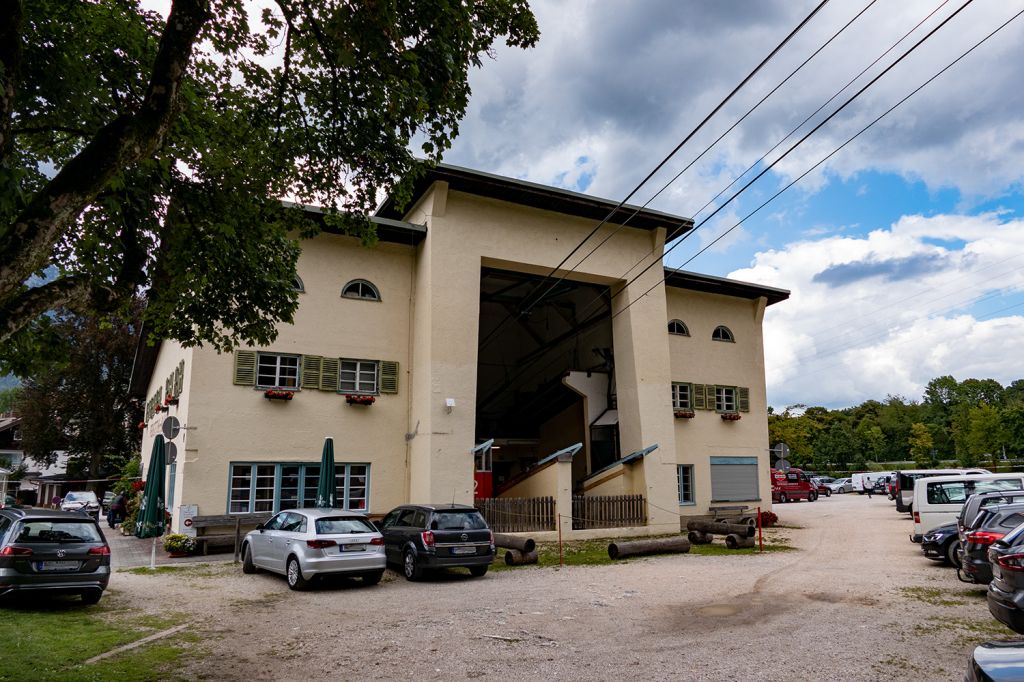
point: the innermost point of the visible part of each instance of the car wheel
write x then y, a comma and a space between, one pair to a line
478, 571
812, 497
828, 493
91, 596
783, 499
411, 566
842, 491
294, 575
372, 578
953, 553
247, 565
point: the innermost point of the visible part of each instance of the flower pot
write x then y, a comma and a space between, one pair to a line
684, 414
730, 417
278, 395
366, 400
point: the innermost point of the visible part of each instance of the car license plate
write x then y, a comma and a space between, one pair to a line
57, 566
463, 550
353, 548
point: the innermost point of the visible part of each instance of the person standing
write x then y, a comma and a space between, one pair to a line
116, 513
869, 487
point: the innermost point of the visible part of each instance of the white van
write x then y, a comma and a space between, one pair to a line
863, 481
905, 483
938, 499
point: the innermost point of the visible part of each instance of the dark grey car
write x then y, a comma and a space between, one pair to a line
423, 537
45, 550
989, 525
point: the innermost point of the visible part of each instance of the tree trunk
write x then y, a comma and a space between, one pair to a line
525, 545
697, 537
514, 557
722, 528
620, 550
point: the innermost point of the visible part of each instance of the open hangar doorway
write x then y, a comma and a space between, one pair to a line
534, 332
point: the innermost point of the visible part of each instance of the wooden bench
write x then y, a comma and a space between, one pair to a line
225, 530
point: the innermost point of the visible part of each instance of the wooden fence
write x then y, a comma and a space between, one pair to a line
608, 511
518, 514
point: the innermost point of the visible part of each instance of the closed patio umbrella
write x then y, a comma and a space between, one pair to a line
326, 493
150, 523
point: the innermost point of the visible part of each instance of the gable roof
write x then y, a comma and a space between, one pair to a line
537, 196
694, 281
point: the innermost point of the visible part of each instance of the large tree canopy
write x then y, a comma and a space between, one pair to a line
143, 153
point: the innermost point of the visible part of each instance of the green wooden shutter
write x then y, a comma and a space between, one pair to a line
699, 402
743, 399
329, 374
245, 368
311, 368
388, 376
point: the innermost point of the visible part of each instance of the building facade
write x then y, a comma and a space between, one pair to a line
463, 327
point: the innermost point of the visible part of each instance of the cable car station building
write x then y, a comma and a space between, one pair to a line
448, 366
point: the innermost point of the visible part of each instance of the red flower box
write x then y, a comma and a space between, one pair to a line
684, 414
142, 425
730, 416
272, 394
360, 399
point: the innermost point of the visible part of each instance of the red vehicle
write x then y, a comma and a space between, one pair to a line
792, 484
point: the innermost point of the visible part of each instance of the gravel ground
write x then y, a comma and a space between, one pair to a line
855, 601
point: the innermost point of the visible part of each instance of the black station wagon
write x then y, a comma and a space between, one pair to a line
423, 537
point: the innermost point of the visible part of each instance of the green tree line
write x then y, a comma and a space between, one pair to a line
976, 422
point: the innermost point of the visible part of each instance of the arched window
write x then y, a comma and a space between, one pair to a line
297, 284
678, 327
360, 288
722, 333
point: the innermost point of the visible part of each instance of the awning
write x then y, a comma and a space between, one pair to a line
607, 418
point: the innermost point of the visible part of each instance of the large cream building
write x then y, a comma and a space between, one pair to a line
452, 331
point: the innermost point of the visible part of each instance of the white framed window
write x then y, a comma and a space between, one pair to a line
682, 396
275, 486
358, 376
274, 370
361, 289
685, 475
678, 327
723, 333
725, 399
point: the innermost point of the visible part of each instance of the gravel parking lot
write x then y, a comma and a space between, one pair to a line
854, 601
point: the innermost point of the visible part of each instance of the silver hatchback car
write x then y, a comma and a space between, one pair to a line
302, 544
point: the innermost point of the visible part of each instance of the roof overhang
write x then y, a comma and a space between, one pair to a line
537, 196
692, 281
388, 230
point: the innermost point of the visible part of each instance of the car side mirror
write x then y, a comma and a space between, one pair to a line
259, 527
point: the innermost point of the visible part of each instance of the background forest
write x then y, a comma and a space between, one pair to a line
975, 422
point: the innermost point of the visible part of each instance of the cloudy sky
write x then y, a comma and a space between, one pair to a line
904, 251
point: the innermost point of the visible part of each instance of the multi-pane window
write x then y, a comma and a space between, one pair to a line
277, 371
725, 398
360, 288
358, 376
722, 333
681, 396
685, 474
678, 327
277, 486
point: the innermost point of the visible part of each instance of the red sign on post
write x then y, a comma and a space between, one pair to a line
483, 484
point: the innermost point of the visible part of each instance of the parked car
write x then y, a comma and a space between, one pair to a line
996, 662
905, 483
424, 537
791, 485
305, 544
1006, 591
943, 544
822, 487
939, 499
107, 498
843, 485
991, 524
84, 501
46, 550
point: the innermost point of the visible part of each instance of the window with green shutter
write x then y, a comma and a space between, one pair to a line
329, 374
699, 399
245, 368
388, 376
311, 368
744, 398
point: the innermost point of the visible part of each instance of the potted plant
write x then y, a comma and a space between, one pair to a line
730, 416
353, 399
685, 414
275, 394
178, 544
170, 400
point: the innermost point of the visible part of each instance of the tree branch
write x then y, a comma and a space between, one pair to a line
10, 66
69, 292
27, 244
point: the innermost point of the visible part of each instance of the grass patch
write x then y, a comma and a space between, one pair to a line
186, 570
51, 641
595, 552
935, 596
968, 630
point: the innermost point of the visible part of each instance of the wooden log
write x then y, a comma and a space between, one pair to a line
514, 557
722, 528
697, 537
737, 542
620, 550
526, 545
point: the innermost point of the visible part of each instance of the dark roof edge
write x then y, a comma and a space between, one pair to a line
538, 196
388, 230
693, 281
142, 366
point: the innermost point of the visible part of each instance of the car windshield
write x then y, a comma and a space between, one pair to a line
459, 520
58, 531
343, 524
86, 496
